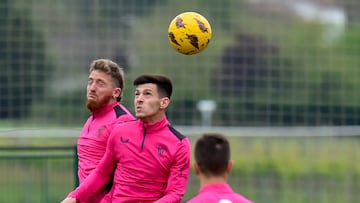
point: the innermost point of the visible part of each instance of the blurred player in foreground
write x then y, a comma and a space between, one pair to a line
150, 158
104, 89
212, 166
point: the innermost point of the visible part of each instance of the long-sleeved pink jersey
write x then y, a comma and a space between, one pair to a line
218, 193
151, 163
91, 144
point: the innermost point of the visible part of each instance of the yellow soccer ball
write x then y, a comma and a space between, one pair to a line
189, 33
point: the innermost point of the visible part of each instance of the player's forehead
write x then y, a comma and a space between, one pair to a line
99, 75
146, 87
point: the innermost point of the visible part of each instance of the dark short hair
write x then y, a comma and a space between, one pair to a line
212, 154
162, 82
111, 68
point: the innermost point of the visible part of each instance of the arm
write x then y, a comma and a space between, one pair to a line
179, 175
98, 178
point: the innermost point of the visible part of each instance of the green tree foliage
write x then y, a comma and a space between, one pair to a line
23, 64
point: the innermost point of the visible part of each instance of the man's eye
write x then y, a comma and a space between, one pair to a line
101, 84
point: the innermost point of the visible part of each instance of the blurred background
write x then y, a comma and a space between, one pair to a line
280, 78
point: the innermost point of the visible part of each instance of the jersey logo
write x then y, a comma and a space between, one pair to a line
161, 149
100, 131
123, 140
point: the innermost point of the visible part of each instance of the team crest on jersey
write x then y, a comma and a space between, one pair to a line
100, 131
161, 150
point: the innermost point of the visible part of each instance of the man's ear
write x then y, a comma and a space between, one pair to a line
230, 166
196, 168
117, 92
164, 102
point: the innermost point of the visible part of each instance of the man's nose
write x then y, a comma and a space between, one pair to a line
139, 98
92, 87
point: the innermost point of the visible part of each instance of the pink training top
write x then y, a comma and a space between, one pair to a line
218, 193
151, 162
91, 144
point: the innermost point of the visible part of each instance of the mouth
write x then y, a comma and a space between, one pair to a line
91, 96
138, 108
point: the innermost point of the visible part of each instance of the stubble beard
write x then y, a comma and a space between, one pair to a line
94, 105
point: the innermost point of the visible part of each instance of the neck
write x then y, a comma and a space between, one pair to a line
211, 180
154, 118
101, 108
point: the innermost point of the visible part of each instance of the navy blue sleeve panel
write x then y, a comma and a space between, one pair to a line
176, 133
119, 111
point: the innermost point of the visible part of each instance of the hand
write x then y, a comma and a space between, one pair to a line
69, 200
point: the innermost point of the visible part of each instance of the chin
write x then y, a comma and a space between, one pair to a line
92, 105
139, 115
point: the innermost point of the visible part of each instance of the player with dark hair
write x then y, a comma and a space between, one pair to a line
104, 89
212, 166
150, 158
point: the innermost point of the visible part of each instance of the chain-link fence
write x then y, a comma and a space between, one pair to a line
270, 63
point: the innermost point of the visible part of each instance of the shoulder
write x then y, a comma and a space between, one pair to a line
123, 128
119, 121
176, 133
125, 124
243, 199
88, 120
122, 113
209, 197
197, 199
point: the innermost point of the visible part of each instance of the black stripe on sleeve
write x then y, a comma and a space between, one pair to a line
176, 133
119, 111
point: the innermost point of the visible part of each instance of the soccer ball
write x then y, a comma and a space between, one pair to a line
189, 33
